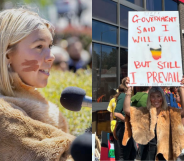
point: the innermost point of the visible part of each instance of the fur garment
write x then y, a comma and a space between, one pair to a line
31, 128
170, 131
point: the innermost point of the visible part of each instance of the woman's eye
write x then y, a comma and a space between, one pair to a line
39, 47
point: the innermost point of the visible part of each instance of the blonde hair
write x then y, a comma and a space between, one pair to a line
15, 25
153, 90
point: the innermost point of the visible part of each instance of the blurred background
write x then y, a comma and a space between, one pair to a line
72, 48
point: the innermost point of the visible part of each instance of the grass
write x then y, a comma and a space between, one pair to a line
58, 80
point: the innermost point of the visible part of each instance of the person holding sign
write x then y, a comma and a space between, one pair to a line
158, 127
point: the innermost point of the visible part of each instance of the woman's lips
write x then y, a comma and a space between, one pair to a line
46, 72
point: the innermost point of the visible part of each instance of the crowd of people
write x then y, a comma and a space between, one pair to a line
149, 124
71, 56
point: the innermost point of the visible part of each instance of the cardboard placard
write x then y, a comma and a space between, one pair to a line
154, 50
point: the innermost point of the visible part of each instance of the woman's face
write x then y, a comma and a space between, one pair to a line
175, 89
156, 99
32, 58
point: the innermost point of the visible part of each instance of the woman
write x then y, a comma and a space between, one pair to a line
175, 92
127, 152
31, 128
157, 127
111, 107
178, 100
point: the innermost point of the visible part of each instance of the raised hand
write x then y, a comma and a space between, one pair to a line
126, 82
182, 82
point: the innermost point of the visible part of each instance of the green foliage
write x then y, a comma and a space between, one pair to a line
86, 41
58, 80
109, 59
42, 3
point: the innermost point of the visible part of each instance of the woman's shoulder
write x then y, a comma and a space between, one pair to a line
122, 95
113, 100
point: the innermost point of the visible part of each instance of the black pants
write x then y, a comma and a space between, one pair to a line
127, 152
148, 152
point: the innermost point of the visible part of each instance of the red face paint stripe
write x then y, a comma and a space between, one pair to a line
32, 65
30, 62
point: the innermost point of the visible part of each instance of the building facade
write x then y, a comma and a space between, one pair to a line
110, 46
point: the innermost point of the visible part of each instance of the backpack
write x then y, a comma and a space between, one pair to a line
171, 101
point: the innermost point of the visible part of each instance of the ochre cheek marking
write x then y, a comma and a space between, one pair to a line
32, 65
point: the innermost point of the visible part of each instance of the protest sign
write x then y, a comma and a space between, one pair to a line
182, 1
107, 148
154, 50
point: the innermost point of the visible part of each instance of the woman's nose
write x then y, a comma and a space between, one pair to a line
49, 56
153, 99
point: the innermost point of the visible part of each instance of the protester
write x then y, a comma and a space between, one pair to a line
174, 91
79, 58
167, 93
140, 100
61, 58
111, 107
170, 97
178, 100
155, 126
31, 128
167, 89
127, 152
